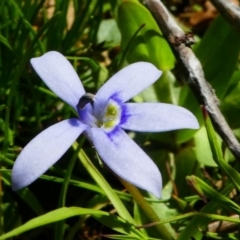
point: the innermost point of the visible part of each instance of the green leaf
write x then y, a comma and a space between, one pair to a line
163, 212
202, 148
108, 32
2, 107
5, 42
7, 131
56, 30
18, 73
218, 52
129, 46
192, 229
231, 103
114, 222
140, 218
186, 164
25, 194
205, 215
188, 100
119, 225
211, 193
232, 174
83, 18
96, 175
149, 45
59, 228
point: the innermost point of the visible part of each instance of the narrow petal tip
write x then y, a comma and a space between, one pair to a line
59, 75
17, 181
43, 151
127, 160
192, 121
158, 117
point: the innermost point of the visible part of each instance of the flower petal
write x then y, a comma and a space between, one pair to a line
44, 150
125, 158
129, 81
59, 75
157, 117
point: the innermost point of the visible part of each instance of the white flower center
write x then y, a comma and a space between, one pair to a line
111, 116
108, 119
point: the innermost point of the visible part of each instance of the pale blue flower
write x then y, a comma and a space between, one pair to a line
102, 119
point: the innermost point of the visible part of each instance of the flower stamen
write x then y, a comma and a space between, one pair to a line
112, 115
85, 99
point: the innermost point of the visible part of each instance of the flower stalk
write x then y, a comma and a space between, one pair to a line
138, 197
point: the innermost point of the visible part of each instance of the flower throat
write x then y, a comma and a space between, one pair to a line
109, 117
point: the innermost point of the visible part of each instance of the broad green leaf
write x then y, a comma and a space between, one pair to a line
231, 103
108, 32
148, 95
186, 164
114, 222
165, 88
149, 45
202, 148
188, 100
232, 174
164, 212
235, 78
218, 52
129, 46
102, 76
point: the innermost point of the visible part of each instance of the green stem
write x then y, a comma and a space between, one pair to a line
60, 229
165, 234
129, 45
100, 180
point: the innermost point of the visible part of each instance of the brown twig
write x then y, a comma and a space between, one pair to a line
168, 168
229, 10
222, 226
192, 71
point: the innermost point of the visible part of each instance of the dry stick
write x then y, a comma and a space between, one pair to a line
192, 71
222, 226
229, 10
